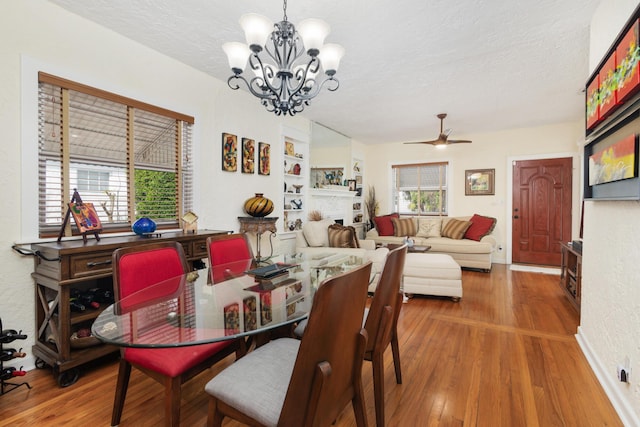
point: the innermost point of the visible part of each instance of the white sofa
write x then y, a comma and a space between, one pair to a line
318, 243
467, 253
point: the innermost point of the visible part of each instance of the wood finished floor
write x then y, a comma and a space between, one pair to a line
505, 355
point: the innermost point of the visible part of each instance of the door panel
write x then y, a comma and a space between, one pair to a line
541, 210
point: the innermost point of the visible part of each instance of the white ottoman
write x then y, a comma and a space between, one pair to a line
432, 274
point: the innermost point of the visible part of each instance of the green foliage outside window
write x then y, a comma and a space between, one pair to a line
155, 194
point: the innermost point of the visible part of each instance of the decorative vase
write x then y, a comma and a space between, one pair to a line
258, 206
144, 226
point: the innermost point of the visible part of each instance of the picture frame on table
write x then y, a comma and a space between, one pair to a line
479, 182
352, 184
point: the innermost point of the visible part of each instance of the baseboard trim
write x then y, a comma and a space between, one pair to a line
620, 403
535, 269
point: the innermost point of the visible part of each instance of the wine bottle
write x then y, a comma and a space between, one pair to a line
7, 373
9, 335
10, 353
76, 305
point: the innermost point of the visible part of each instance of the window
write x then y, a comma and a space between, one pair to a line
128, 158
420, 189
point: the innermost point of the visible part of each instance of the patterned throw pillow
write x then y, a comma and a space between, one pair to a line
383, 223
342, 237
480, 227
455, 229
403, 227
429, 227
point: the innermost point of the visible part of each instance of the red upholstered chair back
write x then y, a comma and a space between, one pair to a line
223, 249
136, 268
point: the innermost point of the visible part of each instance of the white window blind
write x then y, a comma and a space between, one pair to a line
420, 189
128, 158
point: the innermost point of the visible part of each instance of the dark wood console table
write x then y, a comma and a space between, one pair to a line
571, 274
63, 266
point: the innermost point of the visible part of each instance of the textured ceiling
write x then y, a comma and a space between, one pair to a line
489, 64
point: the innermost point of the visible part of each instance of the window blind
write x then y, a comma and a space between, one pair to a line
420, 189
128, 158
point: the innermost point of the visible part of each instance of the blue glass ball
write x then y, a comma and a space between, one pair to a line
144, 226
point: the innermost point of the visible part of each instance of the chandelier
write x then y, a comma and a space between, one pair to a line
285, 79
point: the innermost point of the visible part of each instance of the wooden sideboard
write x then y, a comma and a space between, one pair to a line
61, 267
571, 274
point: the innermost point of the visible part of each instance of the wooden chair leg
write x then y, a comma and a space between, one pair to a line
172, 400
359, 407
214, 418
395, 349
124, 372
377, 363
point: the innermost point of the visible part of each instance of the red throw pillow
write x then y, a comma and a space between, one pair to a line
384, 226
480, 227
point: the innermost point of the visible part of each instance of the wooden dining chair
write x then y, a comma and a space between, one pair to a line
308, 382
134, 270
381, 325
228, 249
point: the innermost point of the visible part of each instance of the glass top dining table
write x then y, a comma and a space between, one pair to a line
220, 303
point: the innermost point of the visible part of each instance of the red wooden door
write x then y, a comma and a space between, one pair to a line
541, 217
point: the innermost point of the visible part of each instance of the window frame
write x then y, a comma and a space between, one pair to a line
182, 157
444, 208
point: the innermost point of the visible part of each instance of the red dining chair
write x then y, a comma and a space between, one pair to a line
135, 269
228, 249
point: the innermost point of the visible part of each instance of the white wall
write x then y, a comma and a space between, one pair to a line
493, 150
610, 317
37, 35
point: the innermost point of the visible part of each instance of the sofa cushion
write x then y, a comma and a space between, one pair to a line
341, 236
383, 223
480, 227
315, 232
455, 229
429, 227
403, 227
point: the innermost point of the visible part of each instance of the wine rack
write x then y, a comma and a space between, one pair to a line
9, 336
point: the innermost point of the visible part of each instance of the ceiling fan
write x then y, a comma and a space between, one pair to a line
443, 139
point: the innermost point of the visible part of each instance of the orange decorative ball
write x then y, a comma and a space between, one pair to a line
258, 206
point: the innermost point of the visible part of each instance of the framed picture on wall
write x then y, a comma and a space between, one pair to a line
264, 158
479, 182
248, 155
229, 152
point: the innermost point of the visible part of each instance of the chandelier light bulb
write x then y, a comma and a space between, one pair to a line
330, 57
257, 29
313, 32
237, 55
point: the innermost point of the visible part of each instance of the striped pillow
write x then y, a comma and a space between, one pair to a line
342, 237
455, 229
404, 227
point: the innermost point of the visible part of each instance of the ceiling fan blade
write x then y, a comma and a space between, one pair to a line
458, 141
437, 141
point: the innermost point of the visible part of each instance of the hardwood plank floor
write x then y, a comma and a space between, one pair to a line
505, 355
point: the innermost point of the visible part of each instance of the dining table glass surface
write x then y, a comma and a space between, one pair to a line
222, 302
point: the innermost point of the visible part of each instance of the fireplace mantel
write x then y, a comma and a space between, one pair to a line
334, 203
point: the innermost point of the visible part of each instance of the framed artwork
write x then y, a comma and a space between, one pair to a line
232, 319
614, 163
250, 313
608, 83
248, 155
289, 148
479, 182
264, 158
352, 184
229, 152
265, 308
85, 216
593, 102
627, 59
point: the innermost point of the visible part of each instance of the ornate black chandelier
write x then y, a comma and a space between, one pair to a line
284, 80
